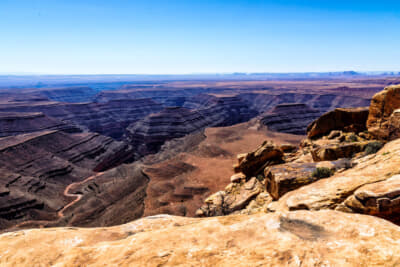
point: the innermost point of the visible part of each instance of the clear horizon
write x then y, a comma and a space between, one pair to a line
101, 37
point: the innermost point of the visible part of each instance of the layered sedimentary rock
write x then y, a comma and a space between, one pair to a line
255, 162
225, 110
348, 120
110, 118
380, 199
305, 238
263, 101
37, 167
333, 191
382, 106
394, 125
14, 123
289, 118
149, 134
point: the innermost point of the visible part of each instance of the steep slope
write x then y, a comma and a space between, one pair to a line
14, 123
289, 118
110, 118
37, 167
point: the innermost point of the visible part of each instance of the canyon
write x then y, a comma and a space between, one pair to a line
270, 167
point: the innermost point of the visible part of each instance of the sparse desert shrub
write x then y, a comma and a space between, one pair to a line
373, 147
322, 172
353, 138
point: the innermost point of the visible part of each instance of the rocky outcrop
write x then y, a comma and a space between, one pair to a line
289, 118
306, 238
14, 123
332, 192
347, 120
382, 106
394, 125
37, 167
254, 162
235, 197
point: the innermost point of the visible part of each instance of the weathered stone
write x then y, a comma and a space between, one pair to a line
344, 119
288, 148
281, 179
254, 162
380, 199
394, 125
306, 238
237, 177
336, 151
332, 191
334, 134
382, 106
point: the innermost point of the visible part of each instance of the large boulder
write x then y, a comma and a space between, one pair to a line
337, 151
380, 199
280, 179
331, 192
254, 162
394, 125
344, 119
382, 106
235, 197
300, 238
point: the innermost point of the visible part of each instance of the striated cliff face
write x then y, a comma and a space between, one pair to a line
289, 118
14, 123
264, 101
110, 118
149, 134
37, 167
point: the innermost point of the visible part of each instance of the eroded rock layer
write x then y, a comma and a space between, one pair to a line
14, 123
37, 168
290, 118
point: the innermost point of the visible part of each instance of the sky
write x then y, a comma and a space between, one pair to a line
198, 36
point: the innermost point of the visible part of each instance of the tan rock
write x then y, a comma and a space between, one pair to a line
380, 199
336, 151
283, 178
394, 125
344, 119
330, 192
254, 162
301, 238
237, 177
382, 106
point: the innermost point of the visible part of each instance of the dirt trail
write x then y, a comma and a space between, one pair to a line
66, 193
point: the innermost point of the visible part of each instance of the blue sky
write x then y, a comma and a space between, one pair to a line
176, 37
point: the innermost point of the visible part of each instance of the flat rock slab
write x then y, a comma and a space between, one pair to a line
301, 238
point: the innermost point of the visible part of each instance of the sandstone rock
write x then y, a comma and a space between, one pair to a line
287, 148
306, 238
380, 199
344, 119
235, 197
334, 134
330, 192
283, 178
254, 162
236, 178
336, 151
394, 125
382, 106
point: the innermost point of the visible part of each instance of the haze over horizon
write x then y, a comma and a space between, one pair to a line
188, 37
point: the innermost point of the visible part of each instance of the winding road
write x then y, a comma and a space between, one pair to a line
66, 193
